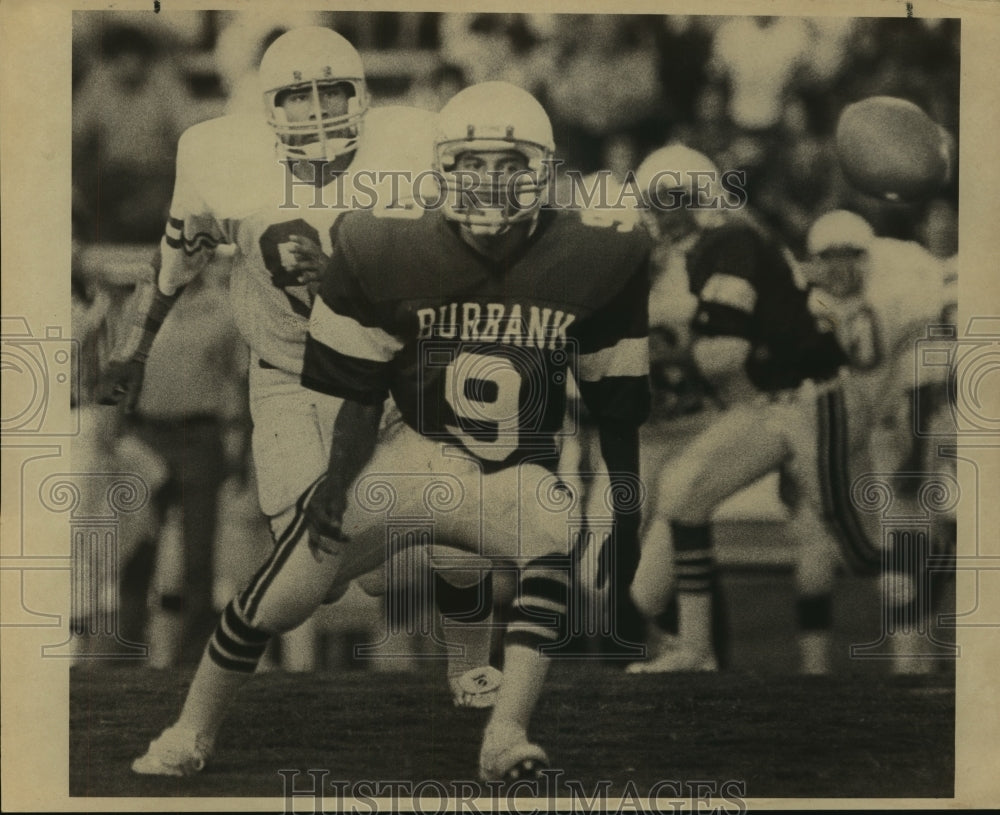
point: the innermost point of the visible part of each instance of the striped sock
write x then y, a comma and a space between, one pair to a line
695, 578
227, 664
814, 612
538, 615
693, 554
538, 624
236, 645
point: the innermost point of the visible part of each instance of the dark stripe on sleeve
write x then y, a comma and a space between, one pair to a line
625, 316
335, 374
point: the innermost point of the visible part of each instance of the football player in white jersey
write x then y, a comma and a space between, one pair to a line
877, 296
273, 191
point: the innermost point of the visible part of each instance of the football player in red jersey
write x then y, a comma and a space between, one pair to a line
472, 316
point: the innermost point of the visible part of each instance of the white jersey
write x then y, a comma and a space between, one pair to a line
869, 417
233, 188
905, 292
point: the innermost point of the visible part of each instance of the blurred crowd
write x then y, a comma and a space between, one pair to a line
758, 94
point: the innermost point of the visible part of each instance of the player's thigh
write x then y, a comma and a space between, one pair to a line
292, 427
528, 512
289, 587
745, 443
437, 494
414, 492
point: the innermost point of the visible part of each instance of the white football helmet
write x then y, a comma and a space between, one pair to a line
679, 186
838, 244
493, 117
308, 58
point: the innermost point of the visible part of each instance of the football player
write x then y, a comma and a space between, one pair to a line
877, 296
472, 315
270, 191
754, 340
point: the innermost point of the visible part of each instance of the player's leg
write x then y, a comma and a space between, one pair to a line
462, 582
521, 526
463, 595
290, 451
815, 571
676, 553
914, 587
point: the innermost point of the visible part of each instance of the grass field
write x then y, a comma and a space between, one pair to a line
857, 733
782, 737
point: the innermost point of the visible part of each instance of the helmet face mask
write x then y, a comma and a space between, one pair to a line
313, 60
838, 243
680, 191
485, 196
839, 271
480, 130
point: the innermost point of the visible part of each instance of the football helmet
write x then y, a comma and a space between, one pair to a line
309, 58
838, 244
493, 117
680, 189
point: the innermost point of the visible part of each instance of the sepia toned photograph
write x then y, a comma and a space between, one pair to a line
477, 410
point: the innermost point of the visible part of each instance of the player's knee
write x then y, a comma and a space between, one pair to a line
654, 578
649, 595
680, 499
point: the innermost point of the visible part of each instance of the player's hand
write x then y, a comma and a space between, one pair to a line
306, 259
323, 523
120, 384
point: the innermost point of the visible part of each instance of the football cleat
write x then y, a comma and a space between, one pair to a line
476, 688
676, 660
522, 761
178, 751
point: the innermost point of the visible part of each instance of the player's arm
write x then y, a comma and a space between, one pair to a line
188, 243
348, 355
613, 377
122, 380
355, 431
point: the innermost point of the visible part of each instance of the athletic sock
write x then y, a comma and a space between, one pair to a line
695, 576
229, 661
538, 621
467, 614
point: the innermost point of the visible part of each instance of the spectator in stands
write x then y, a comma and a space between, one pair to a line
430, 92
499, 47
605, 81
192, 406
128, 113
758, 57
